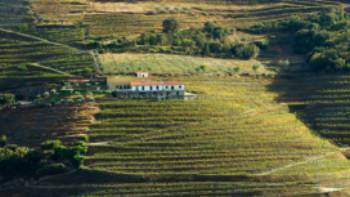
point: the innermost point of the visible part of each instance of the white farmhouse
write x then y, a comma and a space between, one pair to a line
150, 89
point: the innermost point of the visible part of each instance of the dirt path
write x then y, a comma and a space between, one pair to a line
34, 37
96, 61
295, 164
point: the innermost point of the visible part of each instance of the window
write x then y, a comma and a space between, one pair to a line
180, 86
157, 87
172, 88
143, 88
151, 88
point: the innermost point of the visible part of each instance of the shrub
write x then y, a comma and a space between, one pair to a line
51, 169
51, 145
255, 67
7, 99
236, 69
262, 44
329, 60
77, 161
246, 51
52, 158
3, 140
201, 68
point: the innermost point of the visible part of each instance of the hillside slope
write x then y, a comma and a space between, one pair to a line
238, 137
233, 140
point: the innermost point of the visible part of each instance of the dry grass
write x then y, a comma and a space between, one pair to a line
174, 64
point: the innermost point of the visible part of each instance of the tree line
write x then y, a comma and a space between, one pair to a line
210, 40
323, 37
52, 157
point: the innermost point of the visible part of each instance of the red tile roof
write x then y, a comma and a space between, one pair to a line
155, 83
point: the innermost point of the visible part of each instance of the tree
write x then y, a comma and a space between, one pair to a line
215, 31
219, 33
215, 47
328, 59
209, 28
292, 24
329, 18
170, 25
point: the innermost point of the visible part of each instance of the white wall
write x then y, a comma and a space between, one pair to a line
147, 88
142, 75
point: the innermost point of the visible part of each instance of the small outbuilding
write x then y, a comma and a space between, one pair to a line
141, 74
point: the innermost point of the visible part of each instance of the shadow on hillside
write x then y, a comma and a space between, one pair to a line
315, 99
86, 182
78, 183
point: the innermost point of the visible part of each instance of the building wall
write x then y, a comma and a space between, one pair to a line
153, 95
148, 88
142, 75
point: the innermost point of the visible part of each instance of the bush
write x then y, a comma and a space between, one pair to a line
246, 51
12, 161
51, 169
77, 161
7, 99
3, 140
80, 147
255, 67
328, 60
262, 44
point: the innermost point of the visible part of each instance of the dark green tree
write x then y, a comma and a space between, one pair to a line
170, 25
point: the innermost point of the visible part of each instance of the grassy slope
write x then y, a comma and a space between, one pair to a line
171, 64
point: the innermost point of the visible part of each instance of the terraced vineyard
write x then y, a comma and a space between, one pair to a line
134, 24
39, 124
130, 19
323, 103
238, 137
66, 34
20, 48
147, 16
233, 129
62, 12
